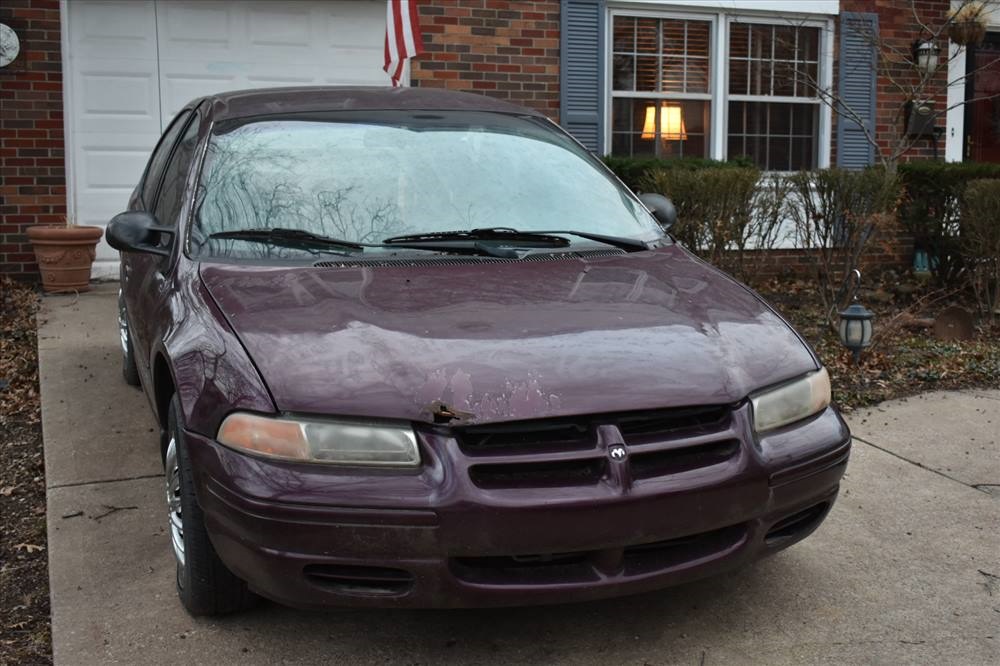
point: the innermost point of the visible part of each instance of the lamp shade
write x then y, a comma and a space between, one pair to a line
671, 122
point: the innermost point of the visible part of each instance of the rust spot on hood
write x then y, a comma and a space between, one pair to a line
444, 414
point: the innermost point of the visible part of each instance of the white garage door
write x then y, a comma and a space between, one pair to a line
131, 65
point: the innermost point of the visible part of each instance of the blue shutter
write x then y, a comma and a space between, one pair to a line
581, 70
857, 88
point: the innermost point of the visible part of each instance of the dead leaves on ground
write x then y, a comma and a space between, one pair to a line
18, 358
906, 360
24, 628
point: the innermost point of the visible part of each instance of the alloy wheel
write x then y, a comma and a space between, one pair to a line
173, 476
122, 323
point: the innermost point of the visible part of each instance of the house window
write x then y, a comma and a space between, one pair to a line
661, 94
669, 79
773, 108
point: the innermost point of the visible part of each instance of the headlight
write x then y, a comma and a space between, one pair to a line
334, 442
791, 402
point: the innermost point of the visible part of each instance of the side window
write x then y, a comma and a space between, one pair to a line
159, 158
171, 196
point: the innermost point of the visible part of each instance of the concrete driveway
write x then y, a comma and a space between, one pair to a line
905, 570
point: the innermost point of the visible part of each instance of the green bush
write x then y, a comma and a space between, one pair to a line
711, 204
931, 209
724, 212
980, 241
633, 170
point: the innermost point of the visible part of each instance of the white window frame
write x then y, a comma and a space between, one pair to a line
713, 67
719, 70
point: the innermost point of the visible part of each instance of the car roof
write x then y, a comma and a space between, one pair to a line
305, 99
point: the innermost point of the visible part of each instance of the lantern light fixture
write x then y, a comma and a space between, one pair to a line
926, 56
855, 327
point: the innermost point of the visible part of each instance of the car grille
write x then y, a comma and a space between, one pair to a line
588, 566
575, 451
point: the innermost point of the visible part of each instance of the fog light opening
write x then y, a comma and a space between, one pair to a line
359, 580
798, 524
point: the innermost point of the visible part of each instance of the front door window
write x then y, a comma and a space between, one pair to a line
983, 119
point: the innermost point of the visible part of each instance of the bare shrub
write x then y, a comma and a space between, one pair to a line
980, 242
840, 215
763, 231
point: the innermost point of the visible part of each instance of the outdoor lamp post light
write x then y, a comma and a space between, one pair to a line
856, 328
925, 55
856, 322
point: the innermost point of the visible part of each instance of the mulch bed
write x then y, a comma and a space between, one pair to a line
903, 361
24, 578
905, 357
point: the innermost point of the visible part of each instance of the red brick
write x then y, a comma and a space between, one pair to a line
472, 45
33, 181
897, 29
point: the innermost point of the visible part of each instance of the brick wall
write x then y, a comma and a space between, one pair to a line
504, 49
898, 29
32, 171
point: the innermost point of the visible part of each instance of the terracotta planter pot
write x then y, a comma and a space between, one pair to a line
65, 256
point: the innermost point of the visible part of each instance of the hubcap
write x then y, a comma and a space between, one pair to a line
122, 323
174, 501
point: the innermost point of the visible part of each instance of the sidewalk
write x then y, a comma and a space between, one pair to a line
895, 575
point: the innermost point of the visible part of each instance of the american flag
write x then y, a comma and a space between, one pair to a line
402, 36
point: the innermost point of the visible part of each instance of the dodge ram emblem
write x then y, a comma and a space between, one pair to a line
617, 452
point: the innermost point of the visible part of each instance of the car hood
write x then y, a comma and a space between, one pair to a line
505, 341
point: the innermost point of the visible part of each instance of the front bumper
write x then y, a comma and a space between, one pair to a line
312, 536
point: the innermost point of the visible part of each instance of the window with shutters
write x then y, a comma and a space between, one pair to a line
720, 86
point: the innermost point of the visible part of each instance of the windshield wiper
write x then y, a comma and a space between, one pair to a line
286, 237
502, 234
478, 241
621, 242
298, 238
544, 238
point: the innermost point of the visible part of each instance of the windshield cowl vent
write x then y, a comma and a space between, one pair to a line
452, 260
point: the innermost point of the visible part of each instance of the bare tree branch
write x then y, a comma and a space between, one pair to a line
896, 67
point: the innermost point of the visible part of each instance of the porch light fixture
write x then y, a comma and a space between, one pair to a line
856, 324
672, 126
925, 56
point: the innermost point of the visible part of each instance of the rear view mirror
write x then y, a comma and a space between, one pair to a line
137, 231
661, 207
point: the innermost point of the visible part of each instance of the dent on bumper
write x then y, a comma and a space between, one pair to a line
311, 537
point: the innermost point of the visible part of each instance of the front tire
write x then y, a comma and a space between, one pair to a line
204, 584
130, 371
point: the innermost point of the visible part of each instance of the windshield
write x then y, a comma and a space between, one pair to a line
365, 177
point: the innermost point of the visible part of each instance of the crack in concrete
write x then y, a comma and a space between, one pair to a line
986, 487
921, 465
882, 641
77, 484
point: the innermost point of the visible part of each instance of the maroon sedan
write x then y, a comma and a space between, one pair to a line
418, 348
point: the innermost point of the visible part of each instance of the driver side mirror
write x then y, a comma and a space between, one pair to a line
137, 231
661, 207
